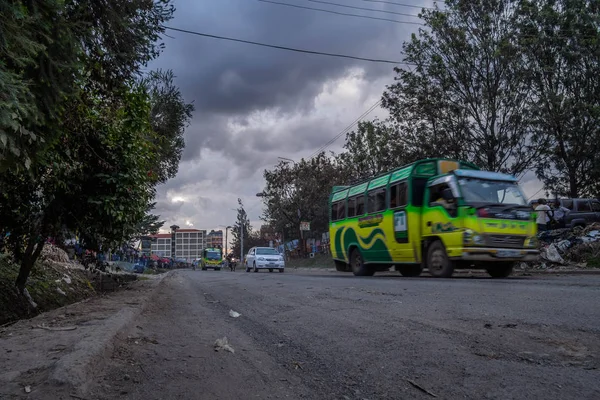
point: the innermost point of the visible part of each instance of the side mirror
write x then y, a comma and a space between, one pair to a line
447, 195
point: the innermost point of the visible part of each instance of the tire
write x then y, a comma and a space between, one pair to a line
410, 271
281, 270
500, 270
438, 263
270, 269
340, 266
358, 266
255, 269
247, 269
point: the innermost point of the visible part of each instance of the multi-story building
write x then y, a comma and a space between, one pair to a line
215, 239
189, 244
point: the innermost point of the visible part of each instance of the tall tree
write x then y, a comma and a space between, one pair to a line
467, 96
561, 43
79, 76
240, 227
98, 182
300, 192
50, 49
373, 148
169, 116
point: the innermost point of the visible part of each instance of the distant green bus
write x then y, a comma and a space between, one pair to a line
212, 258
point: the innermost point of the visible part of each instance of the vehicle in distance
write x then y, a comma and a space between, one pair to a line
264, 258
212, 258
439, 214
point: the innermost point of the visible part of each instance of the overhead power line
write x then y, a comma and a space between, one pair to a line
400, 4
374, 60
363, 8
340, 13
346, 129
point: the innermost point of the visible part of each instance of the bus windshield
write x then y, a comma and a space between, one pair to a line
213, 255
491, 192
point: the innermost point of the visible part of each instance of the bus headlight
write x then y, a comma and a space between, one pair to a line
532, 242
472, 238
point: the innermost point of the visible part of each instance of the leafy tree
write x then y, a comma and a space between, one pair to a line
300, 192
97, 183
38, 70
149, 225
467, 97
169, 116
50, 48
374, 148
69, 70
240, 227
561, 43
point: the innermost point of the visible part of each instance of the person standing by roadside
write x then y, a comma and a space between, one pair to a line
542, 215
560, 214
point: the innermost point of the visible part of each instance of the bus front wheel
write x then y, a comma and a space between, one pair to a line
501, 270
438, 263
358, 265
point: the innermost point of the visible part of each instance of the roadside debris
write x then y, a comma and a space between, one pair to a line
570, 247
422, 389
234, 314
27, 389
223, 344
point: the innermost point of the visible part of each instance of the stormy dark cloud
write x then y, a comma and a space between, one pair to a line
254, 104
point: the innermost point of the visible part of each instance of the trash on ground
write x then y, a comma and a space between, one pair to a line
234, 314
223, 344
568, 248
60, 291
27, 389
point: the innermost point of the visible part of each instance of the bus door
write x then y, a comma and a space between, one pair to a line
400, 245
440, 216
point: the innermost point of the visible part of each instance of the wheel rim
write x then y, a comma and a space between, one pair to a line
437, 261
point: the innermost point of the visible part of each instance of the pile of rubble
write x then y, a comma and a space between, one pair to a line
53, 253
577, 247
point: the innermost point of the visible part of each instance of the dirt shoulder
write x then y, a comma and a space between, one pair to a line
53, 354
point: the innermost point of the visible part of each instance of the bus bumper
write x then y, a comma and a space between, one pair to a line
497, 254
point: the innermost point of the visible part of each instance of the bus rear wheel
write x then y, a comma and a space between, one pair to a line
358, 265
340, 266
438, 263
410, 270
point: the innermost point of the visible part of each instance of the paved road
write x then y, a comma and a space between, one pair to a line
336, 336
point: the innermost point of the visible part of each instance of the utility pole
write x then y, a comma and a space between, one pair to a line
242, 241
226, 240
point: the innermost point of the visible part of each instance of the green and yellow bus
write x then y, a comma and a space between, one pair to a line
439, 214
212, 258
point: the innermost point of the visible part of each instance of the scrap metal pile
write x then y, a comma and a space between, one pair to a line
571, 247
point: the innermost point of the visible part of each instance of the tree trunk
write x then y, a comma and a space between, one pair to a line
32, 253
573, 189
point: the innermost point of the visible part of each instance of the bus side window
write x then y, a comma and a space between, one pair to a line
351, 207
334, 211
360, 205
341, 211
376, 200
398, 195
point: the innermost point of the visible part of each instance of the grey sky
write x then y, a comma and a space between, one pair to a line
255, 104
